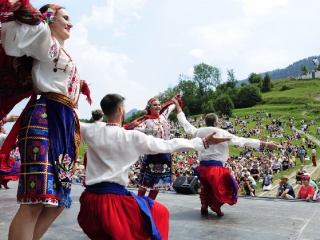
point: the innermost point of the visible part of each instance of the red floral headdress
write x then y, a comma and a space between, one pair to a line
50, 14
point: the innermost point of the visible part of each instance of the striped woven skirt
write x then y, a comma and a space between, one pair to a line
48, 147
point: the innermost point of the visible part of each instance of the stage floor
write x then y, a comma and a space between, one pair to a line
251, 218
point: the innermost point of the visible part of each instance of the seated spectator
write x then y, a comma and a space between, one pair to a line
306, 190
249, 185
254, 172
267, 180
245, 171
292, 161
276, 166
285, 165
316, 196
312, 182
80, 176
132, 179
285, 190
79, 165
299, 174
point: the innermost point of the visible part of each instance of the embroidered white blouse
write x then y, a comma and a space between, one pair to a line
20, 39
158, 127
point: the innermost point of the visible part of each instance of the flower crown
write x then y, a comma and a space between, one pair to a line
49, 15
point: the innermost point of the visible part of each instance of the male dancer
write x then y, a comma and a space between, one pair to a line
217, 185
108, 210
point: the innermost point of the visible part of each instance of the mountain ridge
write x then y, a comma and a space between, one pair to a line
292, 71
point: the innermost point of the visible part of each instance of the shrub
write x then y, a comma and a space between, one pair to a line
284, 87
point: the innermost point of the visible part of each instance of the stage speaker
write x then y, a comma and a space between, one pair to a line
186, 185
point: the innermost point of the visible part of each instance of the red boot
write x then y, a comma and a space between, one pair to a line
217, 210
153, 194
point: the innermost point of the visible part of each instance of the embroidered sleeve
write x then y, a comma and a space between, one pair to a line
26, 13
168, 110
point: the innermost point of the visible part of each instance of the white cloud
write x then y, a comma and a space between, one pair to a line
261, 7
138, 47
115, 13
104, 70
197, 52
101, 17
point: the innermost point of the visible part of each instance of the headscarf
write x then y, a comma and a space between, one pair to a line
149, 103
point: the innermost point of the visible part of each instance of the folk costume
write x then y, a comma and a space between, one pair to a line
48, 128
155, 171
217, 184
108, 210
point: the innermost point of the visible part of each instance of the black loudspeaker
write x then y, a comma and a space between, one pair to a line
186, 185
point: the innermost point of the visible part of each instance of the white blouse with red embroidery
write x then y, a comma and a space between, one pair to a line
53, 69
158, 127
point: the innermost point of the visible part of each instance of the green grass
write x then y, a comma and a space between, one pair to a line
82, 150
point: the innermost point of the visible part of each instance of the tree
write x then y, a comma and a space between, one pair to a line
232, 81
207, 77
266, 84
248, 96
189, 90
167, 94
224, 105
207, 107
187, 87
135, 116
304, 69
255, 78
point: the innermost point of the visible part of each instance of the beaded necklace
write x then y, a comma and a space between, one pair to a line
56, 60
112, 124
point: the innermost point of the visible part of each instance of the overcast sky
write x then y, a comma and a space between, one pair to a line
138, 48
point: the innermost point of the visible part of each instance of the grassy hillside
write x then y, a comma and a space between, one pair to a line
296, 98
300, 100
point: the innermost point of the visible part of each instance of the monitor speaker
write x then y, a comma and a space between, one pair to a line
186, 185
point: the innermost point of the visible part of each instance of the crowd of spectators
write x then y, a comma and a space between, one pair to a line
251, 166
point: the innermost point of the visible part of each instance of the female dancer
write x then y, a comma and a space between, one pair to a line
49, 129
155, 171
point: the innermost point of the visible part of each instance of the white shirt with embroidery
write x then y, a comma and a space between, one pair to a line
20, 39
111, 150
220, 151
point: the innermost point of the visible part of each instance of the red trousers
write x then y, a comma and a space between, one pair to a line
217, 187
112, 216
314, 160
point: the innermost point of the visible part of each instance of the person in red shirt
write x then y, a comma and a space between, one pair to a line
306, 190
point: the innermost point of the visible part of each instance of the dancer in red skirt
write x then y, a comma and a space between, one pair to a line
10, 169
217, 185
108, 210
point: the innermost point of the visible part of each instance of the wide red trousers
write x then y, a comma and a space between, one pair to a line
217, 187
113, 216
